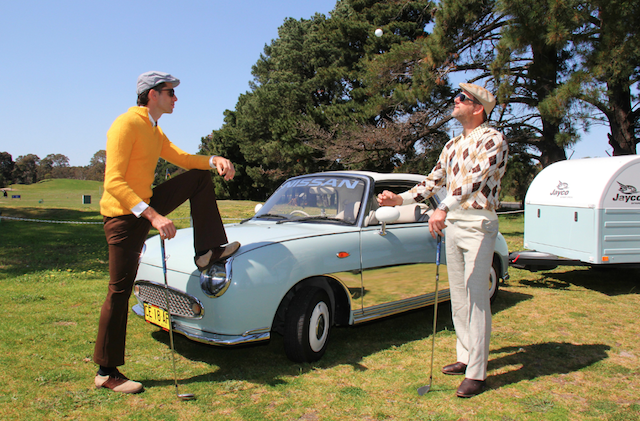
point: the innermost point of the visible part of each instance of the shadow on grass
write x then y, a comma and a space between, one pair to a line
268, 364
544, 359
514, 234
609, 281
27, 246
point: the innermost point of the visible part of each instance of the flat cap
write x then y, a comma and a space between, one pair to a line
485, 97
148, 80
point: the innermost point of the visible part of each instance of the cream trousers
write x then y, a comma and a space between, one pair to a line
470, 245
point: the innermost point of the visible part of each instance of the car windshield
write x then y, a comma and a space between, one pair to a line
323, 199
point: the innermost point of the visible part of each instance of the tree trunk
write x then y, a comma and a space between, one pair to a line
621, 122
550, 152
543, 72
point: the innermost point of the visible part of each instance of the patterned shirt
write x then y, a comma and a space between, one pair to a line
471, 168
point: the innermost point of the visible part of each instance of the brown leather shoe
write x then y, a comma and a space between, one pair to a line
207, 260
470, 388
118, 382
456, 369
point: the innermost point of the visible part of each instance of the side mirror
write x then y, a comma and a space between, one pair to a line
386, 215
257, 208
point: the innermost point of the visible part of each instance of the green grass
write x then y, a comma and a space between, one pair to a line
565, 346
57, 193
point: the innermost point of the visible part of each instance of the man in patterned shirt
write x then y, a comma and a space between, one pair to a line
470, 167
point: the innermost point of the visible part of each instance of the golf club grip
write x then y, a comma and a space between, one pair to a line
164, 259
438, 247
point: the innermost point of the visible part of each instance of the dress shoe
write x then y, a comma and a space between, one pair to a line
118, 382
470, 388
207, 260
456, 369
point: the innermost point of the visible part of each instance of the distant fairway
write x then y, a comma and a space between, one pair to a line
68, 194
57, 193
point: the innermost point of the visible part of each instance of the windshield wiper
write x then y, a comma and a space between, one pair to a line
265, 215
317, 218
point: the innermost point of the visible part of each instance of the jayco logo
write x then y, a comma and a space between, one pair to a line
628, 193
561, 190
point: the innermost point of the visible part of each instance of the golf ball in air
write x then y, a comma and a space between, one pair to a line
378, 32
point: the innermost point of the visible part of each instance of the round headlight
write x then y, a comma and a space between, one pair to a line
214, 282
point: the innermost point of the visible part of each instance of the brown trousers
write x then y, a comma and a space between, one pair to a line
126, 236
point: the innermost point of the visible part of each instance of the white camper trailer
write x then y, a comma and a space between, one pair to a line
583, 212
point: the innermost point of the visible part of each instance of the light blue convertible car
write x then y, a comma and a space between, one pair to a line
315, 256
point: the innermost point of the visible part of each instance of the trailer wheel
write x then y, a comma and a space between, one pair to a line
493, 282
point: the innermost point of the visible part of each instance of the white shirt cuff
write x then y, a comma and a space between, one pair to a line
139, 208
451, 202
407, 198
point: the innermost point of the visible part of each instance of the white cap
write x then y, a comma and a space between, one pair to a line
483, 96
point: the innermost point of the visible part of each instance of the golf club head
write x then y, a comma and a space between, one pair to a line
423, 390
186, 396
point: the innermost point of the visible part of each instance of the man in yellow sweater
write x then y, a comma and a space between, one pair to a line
131, 207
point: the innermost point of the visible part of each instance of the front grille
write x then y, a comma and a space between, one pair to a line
181, 304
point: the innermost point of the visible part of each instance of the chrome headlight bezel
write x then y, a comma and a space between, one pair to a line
216, 280
142, 252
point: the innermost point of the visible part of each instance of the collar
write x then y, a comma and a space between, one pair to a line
153, 122
473, 133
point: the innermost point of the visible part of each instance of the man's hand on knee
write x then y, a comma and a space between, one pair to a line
225, 167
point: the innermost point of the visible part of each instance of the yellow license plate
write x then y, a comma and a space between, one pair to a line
156, 315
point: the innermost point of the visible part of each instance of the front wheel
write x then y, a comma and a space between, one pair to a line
493, 282
307, 325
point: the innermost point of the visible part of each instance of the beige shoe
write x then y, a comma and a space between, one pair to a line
207, 260
118, 382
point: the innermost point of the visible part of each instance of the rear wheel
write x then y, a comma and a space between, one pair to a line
307, 325
493, 281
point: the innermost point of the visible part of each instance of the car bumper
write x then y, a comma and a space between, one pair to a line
198, 335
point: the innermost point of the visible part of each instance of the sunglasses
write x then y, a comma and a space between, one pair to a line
462, 97
170, 91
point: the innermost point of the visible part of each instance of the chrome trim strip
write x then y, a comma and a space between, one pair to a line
385, 310
256, 331
344, 286
197, 335
228, 266
221, 340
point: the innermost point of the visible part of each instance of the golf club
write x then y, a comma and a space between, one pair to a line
424, 389
183, 396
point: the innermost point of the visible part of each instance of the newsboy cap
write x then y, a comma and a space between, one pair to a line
148, 80
483, 96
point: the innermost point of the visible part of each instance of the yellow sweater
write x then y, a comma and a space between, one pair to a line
133, 149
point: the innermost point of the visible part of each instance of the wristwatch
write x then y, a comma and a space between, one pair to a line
443, 207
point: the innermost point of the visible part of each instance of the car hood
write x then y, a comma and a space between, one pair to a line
251, 235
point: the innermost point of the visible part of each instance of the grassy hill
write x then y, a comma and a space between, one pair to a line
52, 195
57, 193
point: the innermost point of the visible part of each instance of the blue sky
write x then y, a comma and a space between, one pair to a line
70, 67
